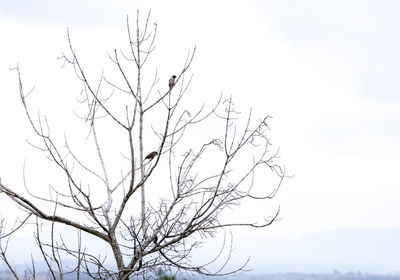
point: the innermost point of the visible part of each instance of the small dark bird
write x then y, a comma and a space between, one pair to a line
171, 82
151, 155
155, 240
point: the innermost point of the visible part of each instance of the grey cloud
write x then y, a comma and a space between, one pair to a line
364, 36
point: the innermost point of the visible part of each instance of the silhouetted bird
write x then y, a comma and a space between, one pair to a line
171, 82
151, 155
155, 240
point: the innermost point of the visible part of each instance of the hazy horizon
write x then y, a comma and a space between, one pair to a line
344, 250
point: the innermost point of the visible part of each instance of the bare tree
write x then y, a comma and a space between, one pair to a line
197, 182
4, 241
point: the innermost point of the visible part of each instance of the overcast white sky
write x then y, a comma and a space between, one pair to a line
327, 71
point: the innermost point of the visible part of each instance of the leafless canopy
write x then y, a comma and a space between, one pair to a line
195, 182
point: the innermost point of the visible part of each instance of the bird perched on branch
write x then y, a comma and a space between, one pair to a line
171, 82
151, 155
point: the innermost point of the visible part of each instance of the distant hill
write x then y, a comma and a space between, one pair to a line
247, 276
371, 251
311, 276
358, 250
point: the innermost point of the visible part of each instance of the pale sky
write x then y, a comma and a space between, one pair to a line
327, 71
